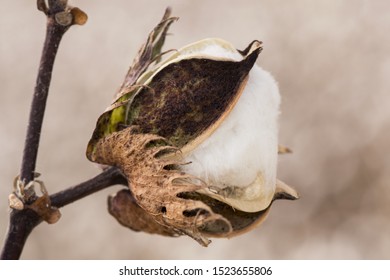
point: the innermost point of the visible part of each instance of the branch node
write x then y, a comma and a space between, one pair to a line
23, 195
64, 18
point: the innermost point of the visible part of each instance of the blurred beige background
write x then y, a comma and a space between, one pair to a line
332, 61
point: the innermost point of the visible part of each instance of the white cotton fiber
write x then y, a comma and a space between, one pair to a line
242, 151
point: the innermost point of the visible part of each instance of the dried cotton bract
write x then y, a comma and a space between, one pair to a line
196, 137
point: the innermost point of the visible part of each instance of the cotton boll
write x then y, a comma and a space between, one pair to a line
242, 153
201, 124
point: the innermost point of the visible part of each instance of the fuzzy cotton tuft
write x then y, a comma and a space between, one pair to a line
241, 154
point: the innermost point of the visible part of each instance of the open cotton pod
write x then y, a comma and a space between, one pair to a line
196, 137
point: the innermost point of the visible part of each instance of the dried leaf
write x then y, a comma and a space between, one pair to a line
125, 209
149, 52
113, 117
42, 206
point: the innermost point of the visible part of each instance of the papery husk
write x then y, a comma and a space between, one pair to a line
156, 183
163, 199
124, 208
184, 100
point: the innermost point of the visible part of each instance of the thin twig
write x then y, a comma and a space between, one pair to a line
54, 33
59, 18
109, 177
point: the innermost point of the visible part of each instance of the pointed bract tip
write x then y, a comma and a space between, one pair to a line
284, 191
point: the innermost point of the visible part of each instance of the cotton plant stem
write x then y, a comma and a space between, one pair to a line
54, 33
22, 222
109, 177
